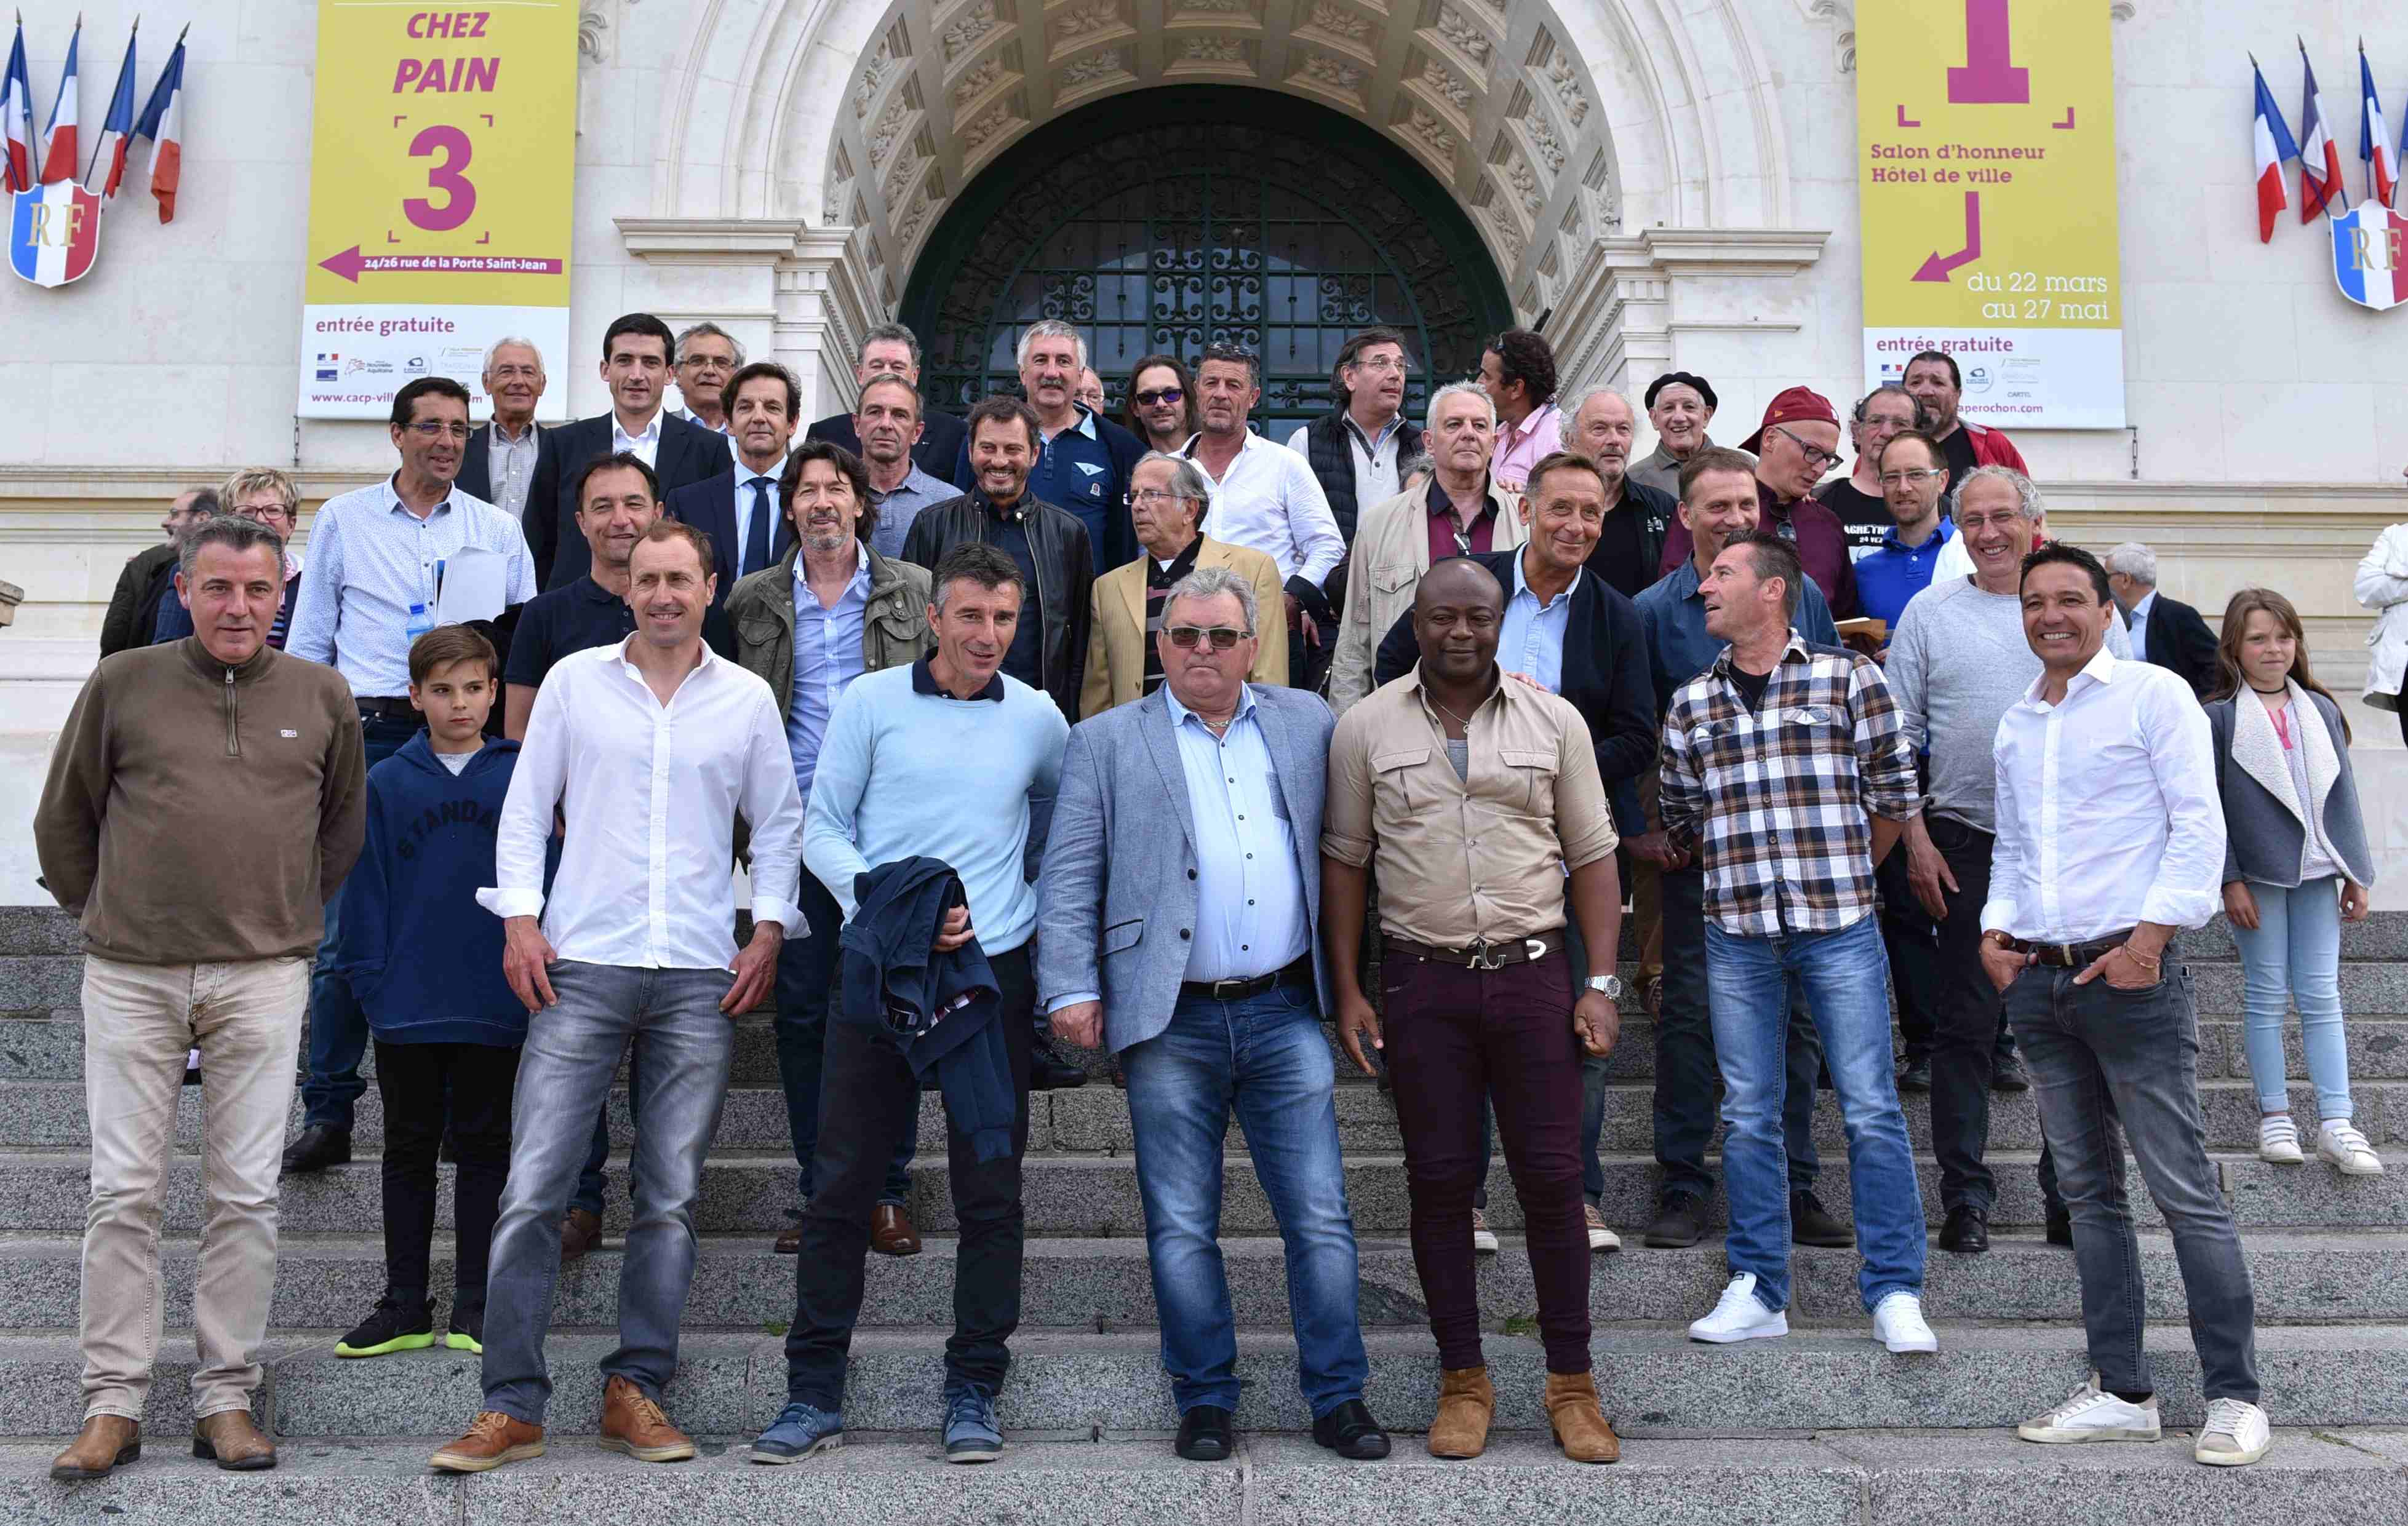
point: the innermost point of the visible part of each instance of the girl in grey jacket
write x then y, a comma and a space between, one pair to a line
2295, 867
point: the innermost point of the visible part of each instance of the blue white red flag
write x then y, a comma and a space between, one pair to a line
59, 159
17, 140
2375, 136
2271, 137
116, 128
162, 123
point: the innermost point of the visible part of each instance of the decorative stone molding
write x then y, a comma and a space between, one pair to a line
1614, 319
962, 36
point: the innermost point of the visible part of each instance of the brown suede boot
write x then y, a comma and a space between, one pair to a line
230, 1439
1578, 1419
105, 1442
1466, 1402
634, 1425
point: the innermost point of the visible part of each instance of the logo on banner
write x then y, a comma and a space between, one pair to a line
53, 232
2370, 244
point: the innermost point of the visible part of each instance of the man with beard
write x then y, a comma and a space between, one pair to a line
1939, 387
1160, 409
1083, 458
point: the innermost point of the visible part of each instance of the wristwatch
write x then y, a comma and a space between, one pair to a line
1607, 986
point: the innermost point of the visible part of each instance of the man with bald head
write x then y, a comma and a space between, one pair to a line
1635, 515
1473, 906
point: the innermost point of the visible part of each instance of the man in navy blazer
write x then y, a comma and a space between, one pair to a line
892, 350
743, 509
1176, 912
635, 367
2166, 631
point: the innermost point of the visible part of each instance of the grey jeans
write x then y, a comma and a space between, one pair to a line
2099, 1056
683, 1044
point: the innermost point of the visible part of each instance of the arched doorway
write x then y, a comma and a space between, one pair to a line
1168, 220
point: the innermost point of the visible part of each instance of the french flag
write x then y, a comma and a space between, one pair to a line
2320, 184
17, 118
116, 131
2274, 146
2373, 136
162, 123
59, 162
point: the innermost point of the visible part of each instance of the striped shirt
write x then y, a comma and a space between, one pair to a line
1160, 578
1776, 799
370, 560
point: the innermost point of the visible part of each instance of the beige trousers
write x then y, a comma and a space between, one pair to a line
138, 1022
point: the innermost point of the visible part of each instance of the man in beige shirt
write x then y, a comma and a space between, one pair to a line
1473, 795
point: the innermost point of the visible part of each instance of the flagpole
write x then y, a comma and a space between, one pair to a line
102, 136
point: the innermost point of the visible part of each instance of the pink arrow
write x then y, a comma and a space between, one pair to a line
346, 264
1936, 268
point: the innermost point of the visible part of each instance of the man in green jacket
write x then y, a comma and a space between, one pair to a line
831, 611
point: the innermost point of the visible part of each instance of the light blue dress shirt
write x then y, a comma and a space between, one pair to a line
1250, 916
827, 658
897, 509
1532, 640
2139, 626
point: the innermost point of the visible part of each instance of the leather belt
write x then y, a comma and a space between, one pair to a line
385, 708
1252, 985
1486, 954
2071, 956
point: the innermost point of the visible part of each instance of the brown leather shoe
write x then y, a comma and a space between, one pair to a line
493, 1438
890, 1232
231, 1440
634, 1425
789, 1241
1578, 1419
105, 1442
1466, 1402
580, 1231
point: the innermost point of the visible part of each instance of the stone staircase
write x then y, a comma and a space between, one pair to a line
1822, 1426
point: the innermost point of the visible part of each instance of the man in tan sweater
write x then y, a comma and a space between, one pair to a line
206, 797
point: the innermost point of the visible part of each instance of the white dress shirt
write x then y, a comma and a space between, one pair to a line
646, 445
2108, 811
1375, 459
652, 791
1271, 500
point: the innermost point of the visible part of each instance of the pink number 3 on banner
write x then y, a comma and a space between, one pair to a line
459, 192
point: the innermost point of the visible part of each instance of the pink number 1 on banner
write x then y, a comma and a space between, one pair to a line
1990, 77
459, 192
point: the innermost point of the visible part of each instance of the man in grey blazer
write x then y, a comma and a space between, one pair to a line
1176, 916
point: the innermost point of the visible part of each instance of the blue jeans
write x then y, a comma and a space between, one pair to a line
2293, 956
683, 1047
1843, 976
339, 1029
1265, 1057
807, 969
591, 1177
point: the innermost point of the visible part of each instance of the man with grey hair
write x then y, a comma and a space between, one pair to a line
272, 745
1083, 459
1598, 423
890, 349
133, 615
1460, 513
887, 422
1879, 417
1190, 822
707, 356
2163, 631
501, 459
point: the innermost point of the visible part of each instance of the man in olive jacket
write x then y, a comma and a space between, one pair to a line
855, 612
206, 797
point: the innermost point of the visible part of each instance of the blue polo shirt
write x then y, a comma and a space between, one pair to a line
1894, 572
1673, 614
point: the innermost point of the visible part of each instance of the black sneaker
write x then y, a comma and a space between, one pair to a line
400, 1323
1812, 1224
468, 1328
2007, 1074
1915, 1074
1679, 1221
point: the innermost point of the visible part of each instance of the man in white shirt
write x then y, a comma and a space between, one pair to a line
2111, 839
652, 747
1265, 495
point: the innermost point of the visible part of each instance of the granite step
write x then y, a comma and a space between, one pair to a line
1863, 1478
333, 1282
1097, 1196
1655, 1381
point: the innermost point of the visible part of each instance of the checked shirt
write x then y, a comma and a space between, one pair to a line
1776, 802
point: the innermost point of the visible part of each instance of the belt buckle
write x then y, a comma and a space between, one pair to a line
1484, 954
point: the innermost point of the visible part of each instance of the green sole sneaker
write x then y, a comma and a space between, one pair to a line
460, 1341
419, 1342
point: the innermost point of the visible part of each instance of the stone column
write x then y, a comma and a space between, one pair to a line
1719, 301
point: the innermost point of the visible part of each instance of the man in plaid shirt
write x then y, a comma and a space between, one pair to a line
1787, 773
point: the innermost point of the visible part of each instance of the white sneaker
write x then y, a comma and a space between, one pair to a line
2235, 1436
2340, 1144
1484, 1239
1898, 1324
2278, 1140
2094, 1415
1740, 1317
1602, 1238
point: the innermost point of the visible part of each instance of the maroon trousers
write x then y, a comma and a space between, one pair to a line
1451, 1033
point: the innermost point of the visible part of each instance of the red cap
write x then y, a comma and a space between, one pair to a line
1792, 405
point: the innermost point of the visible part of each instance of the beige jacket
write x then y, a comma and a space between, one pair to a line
1391, 552
1116, 635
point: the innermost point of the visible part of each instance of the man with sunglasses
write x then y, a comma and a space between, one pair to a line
1795, 448
377, 555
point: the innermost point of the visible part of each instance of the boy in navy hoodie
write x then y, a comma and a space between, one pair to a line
426, 961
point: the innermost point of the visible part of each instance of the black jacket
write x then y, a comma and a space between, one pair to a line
133, 604
1652, 510
1605, 677
940, 451
475, 477
1066, 572
687, 453
2181, 643
896, 984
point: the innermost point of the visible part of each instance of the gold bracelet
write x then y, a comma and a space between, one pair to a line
2151, 961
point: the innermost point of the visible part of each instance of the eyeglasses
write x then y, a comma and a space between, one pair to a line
264, 512
1816, 457
435, 428
1383, 365
1161, 394
1152, 497
1185, 637
1921, 474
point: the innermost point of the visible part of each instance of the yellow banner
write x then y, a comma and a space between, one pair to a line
442, 159
1987, 191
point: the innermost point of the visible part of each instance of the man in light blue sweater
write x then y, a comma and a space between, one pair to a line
948, 759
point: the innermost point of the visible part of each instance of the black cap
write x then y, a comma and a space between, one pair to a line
1704, 389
